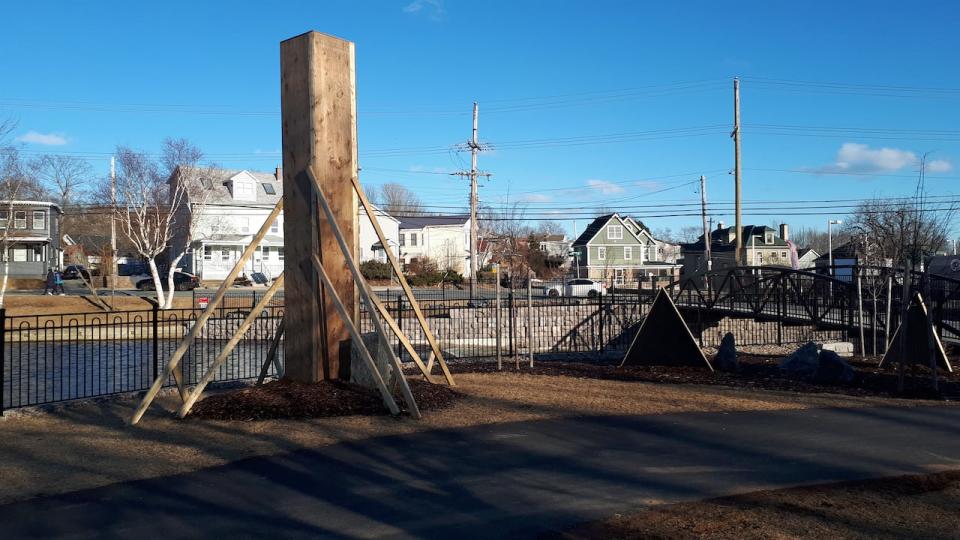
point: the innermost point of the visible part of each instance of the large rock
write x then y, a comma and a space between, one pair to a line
833, 370
360, 371
804, 362
726, 359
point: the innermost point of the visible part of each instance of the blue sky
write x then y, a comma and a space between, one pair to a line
587, 105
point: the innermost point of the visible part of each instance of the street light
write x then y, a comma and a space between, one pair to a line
830, 224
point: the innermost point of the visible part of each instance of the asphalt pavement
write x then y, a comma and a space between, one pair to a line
514, 480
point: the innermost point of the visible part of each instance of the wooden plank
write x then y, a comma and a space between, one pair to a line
366, 293
407, 345
319, 130
272, 357
434, 346
230, 345
357, 338
202, 319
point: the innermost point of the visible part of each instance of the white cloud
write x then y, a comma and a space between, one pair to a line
856, 158
605, 187
939, 166
433, 8
535, 198
47, 139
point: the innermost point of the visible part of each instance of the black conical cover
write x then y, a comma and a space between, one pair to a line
664, 339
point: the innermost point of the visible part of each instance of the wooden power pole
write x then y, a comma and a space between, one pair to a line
113, 225
741, 258
318, 119
474, 229
703, 214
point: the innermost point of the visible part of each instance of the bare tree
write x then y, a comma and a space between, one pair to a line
549, 227
396, 199
148, 205
902, 229
67, 177
16, 182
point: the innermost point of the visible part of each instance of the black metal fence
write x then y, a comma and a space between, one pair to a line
52, 358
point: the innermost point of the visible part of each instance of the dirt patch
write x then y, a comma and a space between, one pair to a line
756, 372
287, 399
919, 506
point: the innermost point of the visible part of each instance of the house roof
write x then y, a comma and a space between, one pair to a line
805, 251
214, 181
420, 222
592, 229
716, 236
843, 251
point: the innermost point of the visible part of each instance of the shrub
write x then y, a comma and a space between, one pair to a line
376, 270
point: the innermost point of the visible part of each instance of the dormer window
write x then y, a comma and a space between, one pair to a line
243, 187
768, 238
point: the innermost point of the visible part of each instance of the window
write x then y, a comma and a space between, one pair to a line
628, 252
225, 254
619, 276
280, 253
403, 239
39, 219
19, 254
615, 232
3, 219
602, 253
275, 227
19, 220
783, 254
207, 253
244, 191
268, 188
413, 239
768, 238
37, 253
244, 224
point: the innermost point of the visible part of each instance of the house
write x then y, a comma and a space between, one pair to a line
762, 247
231, 206
371, 249
554, 245
621, 249
845, 257
806, 258
31, 234
443, 239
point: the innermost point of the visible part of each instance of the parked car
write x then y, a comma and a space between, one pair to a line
182, 281
74, 271
577, 288
520, 282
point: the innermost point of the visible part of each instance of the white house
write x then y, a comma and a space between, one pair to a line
231, 207
443, 239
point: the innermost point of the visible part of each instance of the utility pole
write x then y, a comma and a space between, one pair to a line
113, 225
474, 229
703, 213
736, 170
475, 148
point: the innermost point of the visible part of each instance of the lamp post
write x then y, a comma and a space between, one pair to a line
830, 224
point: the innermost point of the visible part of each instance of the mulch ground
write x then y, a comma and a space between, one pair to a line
756, 371
919, 506
286, 399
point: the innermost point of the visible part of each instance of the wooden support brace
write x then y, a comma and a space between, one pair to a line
188, 340
272, 356
434, 346
228, 348
365, 292
392, 323
357, 338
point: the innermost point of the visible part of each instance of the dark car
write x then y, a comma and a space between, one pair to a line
182, 281
74, 271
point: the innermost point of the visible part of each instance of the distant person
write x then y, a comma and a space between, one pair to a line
58, 283
51, 282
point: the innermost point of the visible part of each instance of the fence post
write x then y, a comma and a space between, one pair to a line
780, 304
399, 324
3, 354
156, 340
600, 311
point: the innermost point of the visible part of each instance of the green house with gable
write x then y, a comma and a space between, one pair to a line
621, 250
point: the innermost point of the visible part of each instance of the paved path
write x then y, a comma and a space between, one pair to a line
502, 481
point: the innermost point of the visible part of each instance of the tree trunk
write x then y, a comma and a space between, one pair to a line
171, 288
155, 274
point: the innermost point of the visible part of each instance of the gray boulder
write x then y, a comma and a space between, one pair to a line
833, 369
804, 362
726, 359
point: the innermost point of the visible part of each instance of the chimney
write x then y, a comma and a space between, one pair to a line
784, 232
719, 225
278, 174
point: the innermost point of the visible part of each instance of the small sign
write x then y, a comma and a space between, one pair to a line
203, 301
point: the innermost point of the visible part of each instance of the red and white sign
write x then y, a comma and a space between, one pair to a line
202, 301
